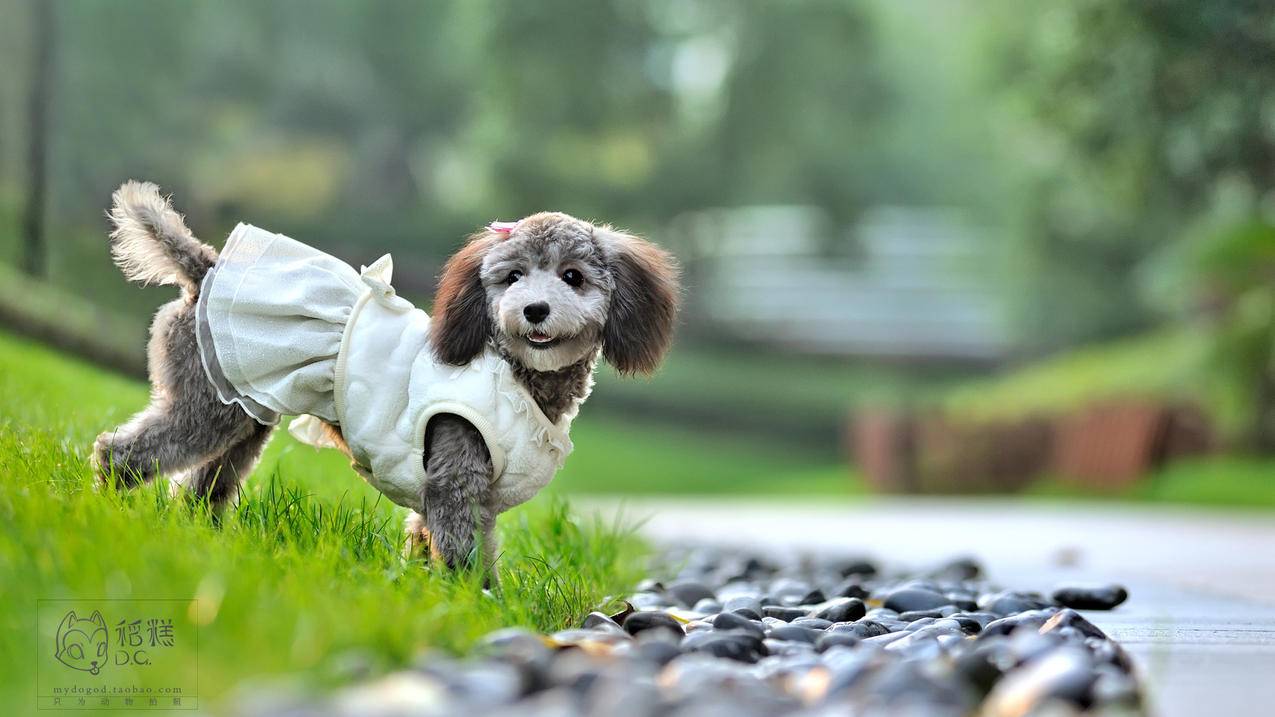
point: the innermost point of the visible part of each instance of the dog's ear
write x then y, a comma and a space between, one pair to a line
460, 325
644, 303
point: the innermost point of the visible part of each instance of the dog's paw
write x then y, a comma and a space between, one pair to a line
111, 466
416, 538
102, 459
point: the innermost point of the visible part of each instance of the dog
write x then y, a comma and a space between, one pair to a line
457, 416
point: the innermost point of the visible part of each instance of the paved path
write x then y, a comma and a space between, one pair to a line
1200, 620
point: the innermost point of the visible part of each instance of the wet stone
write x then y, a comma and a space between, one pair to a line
914, 615
851, 587
1100, 597
1065, 674
739, 646
842, 609
741, 634
734, 621
689, 592
1009, 603
833, 639
856, 566
787, 614
597, 620
794, 633
651, 620
1068, 618
912, 599
748, 607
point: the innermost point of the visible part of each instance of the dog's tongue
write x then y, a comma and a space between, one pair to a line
539, 337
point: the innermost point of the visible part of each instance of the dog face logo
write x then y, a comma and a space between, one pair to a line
82, 644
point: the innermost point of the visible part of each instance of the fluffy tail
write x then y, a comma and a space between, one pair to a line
151, 243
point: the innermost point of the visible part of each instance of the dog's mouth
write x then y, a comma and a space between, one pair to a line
541, 340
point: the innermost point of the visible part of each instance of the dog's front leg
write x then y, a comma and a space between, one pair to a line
458, 473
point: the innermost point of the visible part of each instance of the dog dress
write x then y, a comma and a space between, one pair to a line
287, 330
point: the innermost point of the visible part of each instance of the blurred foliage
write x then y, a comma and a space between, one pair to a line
1096, 141
1226, 275
1136, 120
403, 124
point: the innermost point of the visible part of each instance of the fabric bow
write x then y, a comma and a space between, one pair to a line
377, 277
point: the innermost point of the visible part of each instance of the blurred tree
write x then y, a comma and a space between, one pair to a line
1225, 275
1141, 117
40, 90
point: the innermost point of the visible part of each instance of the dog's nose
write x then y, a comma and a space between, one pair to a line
536, 312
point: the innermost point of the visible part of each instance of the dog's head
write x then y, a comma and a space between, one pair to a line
550, 290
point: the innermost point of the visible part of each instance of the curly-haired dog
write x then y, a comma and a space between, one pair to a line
458, 417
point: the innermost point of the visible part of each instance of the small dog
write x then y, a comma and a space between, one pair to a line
458, 416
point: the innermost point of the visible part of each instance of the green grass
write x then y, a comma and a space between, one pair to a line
1221, 482
307, 569
1165, 364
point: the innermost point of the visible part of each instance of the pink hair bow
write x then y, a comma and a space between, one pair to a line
502, 227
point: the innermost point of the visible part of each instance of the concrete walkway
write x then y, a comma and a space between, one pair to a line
1200, 620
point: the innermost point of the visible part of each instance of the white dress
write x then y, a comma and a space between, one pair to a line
287, 330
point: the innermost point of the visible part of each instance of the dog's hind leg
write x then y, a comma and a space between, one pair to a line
218, 480
163, 439
185, 425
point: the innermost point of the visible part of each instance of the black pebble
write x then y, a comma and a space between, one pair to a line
852, 587
732, 646
910, 599
862, 629
914, 615
832, 639
657, 652
814, 596
857, 567
787, 614
733, 621
844, 610
651, 619
1068, 618
794, 633
689, 592
1104, 597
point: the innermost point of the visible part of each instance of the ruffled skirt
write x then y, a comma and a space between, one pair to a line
269, 323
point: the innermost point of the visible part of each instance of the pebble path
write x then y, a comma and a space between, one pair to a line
729, 632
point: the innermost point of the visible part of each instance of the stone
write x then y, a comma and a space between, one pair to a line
829, 640
787, 614
910, 599
1008, 602
856, 566
651, 620
749, 607
1097, 597
738, 646
600, 621
735, 621
689, 592
1066, 674
842, 610
794, 633
1070, 618
707, 606
850, 587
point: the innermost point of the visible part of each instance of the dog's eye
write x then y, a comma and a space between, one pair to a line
573, 277
514, 276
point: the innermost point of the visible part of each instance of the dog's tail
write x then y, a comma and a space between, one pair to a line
151, 243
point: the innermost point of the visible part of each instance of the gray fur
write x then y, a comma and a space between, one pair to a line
187, 430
